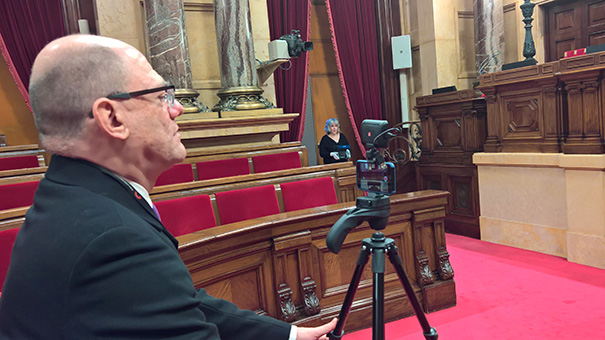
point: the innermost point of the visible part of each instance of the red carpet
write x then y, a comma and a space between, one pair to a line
510, 293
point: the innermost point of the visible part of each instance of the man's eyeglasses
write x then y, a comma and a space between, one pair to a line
168, 97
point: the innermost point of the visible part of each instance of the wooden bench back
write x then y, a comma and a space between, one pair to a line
24, 150
343, 175
193, 156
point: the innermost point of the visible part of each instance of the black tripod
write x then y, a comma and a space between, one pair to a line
374, 209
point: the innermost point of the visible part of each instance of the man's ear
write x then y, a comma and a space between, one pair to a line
109, 118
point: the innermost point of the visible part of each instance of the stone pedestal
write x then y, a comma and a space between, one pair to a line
197, 133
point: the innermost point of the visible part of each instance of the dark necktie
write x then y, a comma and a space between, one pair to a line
156, 211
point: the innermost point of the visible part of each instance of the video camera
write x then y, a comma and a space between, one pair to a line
295, 44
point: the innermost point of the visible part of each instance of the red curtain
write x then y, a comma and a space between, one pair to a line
354, 36
291, 84
26, 27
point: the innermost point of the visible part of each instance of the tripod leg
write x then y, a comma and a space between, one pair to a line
378, 268
429, 332
362, 260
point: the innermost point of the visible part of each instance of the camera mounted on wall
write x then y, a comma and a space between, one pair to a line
289, 46
295, 44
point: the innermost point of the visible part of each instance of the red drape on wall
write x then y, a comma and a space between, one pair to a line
26, 27
291, 84
354, 36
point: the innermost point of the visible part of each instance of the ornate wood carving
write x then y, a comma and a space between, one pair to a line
311, 302
286, 305
445, 268
424, 271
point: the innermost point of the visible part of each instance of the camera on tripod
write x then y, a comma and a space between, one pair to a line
374, 174
376, 177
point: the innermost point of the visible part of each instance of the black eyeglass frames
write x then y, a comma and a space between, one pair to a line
167, 99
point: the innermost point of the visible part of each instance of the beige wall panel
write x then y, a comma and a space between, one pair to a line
512, 20
415, 83
203, 52
466, 50
261, 35
123, 20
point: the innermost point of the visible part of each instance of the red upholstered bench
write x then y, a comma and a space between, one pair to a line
244, 204
309, 193
179, 173
222, 168
17, 195
186, 215
274, 162
19, 162
7, 241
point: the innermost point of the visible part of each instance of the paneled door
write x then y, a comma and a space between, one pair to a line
572, 25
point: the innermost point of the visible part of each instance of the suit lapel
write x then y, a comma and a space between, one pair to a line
103, 182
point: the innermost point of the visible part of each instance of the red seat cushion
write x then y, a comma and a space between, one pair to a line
17, 195
186, 215
179, 173
222, 168
19, 162
274, 162
7, 241
244, 204
308, 193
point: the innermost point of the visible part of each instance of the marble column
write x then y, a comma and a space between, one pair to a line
169, 49
489, 35
239, 80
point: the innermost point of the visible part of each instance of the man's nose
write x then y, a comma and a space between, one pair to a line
176, 110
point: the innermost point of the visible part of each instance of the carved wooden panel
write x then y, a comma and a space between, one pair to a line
583, 113
247, 280
572, 25
448, 133
462, 211
595, 25
523, 114
453, 126
524, 117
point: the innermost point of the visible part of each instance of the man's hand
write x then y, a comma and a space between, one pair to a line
307, 333
334, 155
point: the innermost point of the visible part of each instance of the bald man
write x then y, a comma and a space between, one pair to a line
92, 260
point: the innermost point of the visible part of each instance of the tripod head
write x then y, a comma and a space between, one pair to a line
374, 208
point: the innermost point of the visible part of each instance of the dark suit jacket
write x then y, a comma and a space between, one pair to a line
92, 261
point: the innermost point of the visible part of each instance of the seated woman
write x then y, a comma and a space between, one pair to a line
334, 146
